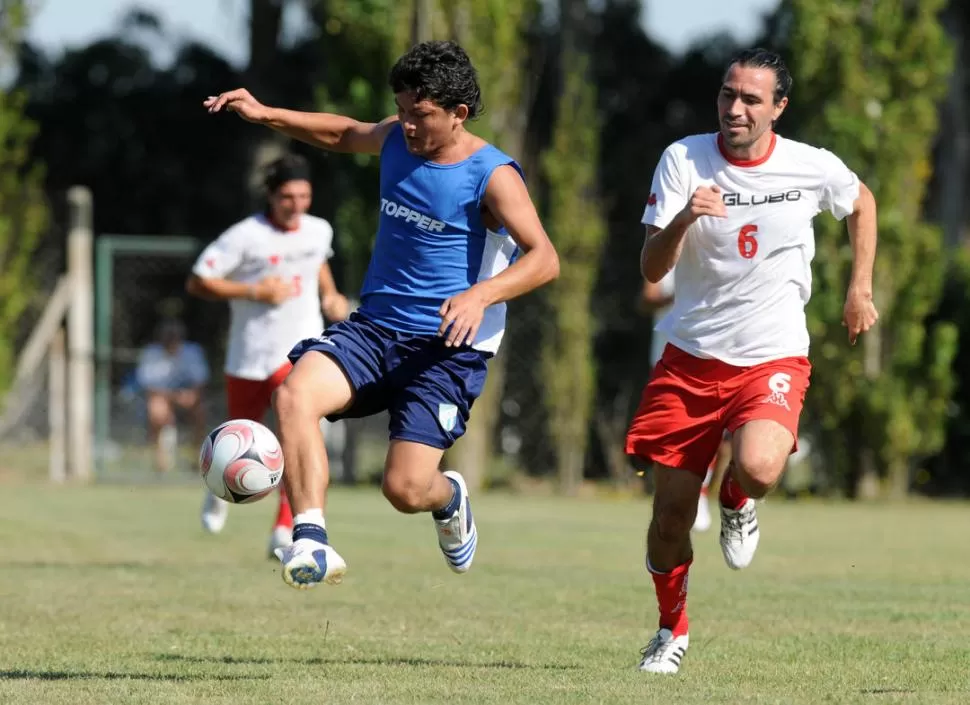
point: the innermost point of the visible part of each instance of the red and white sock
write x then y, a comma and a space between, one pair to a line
672, 597
284, 515
732, 495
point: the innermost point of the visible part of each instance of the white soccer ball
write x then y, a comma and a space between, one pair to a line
241, 461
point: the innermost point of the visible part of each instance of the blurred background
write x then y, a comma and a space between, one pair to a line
113, 177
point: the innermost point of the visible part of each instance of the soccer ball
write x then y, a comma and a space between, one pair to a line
241, 461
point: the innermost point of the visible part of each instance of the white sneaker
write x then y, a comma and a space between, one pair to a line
739, 535
702, 522
664, 652
307, 563
457, 536
214, 513
281, 537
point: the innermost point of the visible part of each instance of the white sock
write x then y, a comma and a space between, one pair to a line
310, 516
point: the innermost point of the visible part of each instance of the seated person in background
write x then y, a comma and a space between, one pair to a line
172, 372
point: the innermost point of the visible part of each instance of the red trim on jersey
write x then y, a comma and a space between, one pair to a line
278, 226
746, 163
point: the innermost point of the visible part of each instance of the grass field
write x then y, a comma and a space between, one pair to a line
113, 595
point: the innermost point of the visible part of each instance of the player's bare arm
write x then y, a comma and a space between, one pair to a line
334, 304
661, 248
653, 297
271, 290
507, 200
859, 314
336, 133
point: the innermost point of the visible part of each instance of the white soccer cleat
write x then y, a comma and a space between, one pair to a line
215, 511
281, 537
664, 652
702, 522
457, 536
739, 535
307, 563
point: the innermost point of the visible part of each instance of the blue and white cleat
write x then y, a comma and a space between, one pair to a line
308, 562
457, 536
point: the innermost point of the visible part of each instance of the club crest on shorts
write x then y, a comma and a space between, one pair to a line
447, 416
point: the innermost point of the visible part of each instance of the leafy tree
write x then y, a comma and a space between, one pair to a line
868, 78
577, 225
23, 208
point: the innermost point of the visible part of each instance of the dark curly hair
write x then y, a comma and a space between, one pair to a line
289, 167
440, 72
764, 59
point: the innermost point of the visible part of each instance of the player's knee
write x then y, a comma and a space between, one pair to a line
673, 522
758, 472
159, 411
291, 403
404, 493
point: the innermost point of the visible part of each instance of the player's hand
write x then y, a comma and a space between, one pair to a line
335, 307
239, 101
461, 316
859, 314
273, 291
706, 200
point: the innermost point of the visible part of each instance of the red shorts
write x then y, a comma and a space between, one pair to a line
250, 398
690, 402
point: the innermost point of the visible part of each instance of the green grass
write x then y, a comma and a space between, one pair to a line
113, 595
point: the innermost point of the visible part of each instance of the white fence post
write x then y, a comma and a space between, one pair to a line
57, 408
80, 334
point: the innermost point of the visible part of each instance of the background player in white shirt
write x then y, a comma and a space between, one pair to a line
272, 268
733, 211
657, 299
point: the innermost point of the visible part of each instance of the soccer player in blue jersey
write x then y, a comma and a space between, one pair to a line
458, 236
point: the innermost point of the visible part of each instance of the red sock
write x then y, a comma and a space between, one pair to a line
732, 496
672, 598
284, 515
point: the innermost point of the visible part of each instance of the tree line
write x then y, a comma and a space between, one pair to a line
586, 101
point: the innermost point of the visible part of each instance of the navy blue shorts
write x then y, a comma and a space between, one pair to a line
427, 388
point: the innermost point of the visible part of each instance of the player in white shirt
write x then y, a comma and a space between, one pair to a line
272, 268
733, 211
657, 299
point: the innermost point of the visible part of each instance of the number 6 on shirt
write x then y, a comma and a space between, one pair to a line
747, 243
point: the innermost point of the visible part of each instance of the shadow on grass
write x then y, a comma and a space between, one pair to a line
26, 674
75, 565
370, 661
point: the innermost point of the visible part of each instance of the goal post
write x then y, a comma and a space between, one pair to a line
108, 249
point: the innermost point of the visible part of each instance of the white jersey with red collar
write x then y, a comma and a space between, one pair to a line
261, 335
743, 281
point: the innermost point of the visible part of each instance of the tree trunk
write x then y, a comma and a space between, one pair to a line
897, 480
265, 22
422, 21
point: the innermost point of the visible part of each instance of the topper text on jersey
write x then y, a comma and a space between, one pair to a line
420, 220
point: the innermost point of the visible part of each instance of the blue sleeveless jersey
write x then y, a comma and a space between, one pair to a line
431, 241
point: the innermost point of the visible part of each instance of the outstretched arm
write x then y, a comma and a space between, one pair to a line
337, 133
508, 201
